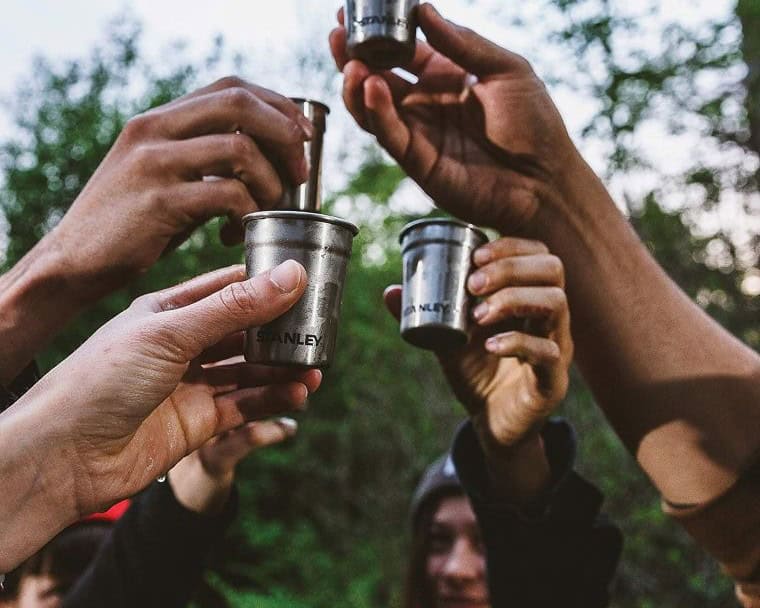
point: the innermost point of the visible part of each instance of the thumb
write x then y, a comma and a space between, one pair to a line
392, 299
235, 306
467, 49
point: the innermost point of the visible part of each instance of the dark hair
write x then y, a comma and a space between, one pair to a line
418, 592
65, 558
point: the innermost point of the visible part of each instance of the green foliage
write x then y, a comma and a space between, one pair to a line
323, 520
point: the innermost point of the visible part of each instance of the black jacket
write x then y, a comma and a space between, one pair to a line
559, 552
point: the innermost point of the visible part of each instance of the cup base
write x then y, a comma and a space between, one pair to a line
383, 53
435, 337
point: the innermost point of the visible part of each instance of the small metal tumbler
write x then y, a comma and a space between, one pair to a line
305, 335
381, 33
308, 196
437, 258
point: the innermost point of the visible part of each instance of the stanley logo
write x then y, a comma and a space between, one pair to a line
382, 20
288, 337
440, 307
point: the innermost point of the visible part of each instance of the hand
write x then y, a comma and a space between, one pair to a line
478, 132
203, 480
139, 395
149, 193
511, 381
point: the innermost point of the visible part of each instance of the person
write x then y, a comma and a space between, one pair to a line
137, 397
482, 137
149, 551
148, 194
503, 520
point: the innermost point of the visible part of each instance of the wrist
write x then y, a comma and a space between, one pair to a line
197, 490
518, 473
39, 497
38, 296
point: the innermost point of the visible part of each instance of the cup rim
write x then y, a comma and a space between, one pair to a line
444, 221
301, 215
314, 102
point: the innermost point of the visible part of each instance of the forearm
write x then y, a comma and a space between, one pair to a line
38, 498
680, 391
38, 296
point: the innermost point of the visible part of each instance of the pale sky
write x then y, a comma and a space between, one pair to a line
265, 32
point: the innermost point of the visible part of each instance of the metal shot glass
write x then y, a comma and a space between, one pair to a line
308, 196
305, 335
381, 33
437, 259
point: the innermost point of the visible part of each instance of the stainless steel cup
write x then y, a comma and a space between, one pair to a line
308, 196
305, 335
437, 258
381, 33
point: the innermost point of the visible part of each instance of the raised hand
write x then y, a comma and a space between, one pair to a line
510, 379
478, 131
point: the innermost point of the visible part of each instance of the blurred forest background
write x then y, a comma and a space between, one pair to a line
323, 520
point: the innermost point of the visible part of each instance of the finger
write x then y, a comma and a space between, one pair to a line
237, 109
534, 270
198, 202
392, 299
507, 247
543, 303
383, 119
237, 408
279, 102
341, 16
236, 444
543, 354
354, 75
337, 41
226, 378
186, 332
466, 48
193, 290
228, 155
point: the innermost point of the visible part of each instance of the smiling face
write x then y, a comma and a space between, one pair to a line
456, 561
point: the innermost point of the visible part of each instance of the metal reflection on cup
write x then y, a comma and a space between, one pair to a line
308, 196
437, 260
305, 335
381, 33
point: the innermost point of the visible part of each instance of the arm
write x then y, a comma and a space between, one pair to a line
148, 195
155, 554
481, 135
106, 422
559, 549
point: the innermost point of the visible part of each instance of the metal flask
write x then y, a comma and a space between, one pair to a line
381, 33
305, 335
437, 259
308, 196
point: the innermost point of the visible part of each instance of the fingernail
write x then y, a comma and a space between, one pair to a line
286, 276
305, 169
482, 256
306, 126
477, 282
492, 344
481, 310
290, 425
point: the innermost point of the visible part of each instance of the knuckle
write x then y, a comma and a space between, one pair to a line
556, 269
138, 127
239, 99
240, 298
557, 298
241, 146
230, 82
